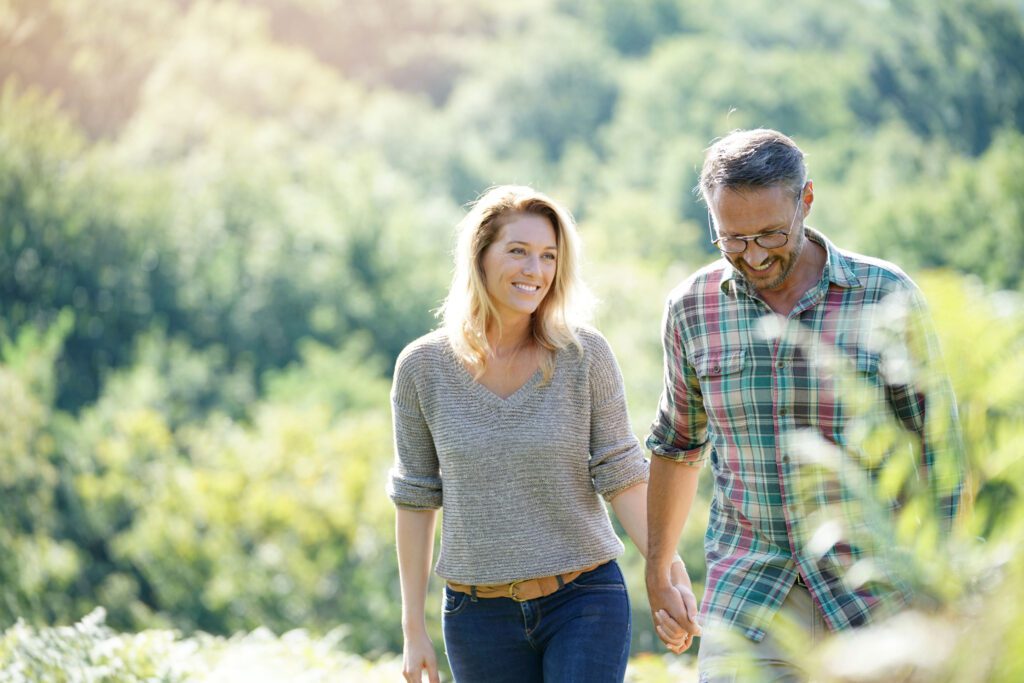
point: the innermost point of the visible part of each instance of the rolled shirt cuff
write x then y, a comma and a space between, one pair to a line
695, 456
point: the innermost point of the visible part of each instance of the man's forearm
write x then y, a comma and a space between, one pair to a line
670, 494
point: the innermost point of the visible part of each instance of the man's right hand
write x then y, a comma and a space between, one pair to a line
417, 655
673, 605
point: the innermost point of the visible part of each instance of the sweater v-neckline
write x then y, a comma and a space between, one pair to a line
481, 392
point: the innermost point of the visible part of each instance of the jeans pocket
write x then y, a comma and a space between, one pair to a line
454, 602
606, 577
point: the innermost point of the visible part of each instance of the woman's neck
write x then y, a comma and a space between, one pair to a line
513, 337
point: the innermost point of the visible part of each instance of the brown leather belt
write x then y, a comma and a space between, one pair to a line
525, 589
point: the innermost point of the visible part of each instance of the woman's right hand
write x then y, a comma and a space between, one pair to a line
673, 605
417, 655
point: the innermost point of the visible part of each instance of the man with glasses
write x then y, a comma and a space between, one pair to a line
781, 360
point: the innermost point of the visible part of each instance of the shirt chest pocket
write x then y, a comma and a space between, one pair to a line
720, 373
718, 364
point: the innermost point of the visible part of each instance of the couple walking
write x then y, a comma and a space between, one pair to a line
512, 418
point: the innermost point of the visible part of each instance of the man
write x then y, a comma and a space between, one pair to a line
799, 370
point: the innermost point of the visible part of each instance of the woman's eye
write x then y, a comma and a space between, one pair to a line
517, 250
550, 257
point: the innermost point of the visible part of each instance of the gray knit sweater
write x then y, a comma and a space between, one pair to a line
518, 478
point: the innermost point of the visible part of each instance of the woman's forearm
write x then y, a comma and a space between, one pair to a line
414, 535
630, 506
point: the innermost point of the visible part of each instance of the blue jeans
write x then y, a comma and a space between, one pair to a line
578, 633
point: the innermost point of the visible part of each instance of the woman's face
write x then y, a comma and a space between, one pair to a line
519, 266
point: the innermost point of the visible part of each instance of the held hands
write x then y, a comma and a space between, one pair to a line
673, 605
417, 656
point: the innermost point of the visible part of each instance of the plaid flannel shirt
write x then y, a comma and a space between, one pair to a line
798, 416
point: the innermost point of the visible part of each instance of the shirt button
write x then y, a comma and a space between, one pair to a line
780, 364
786, 459
783, 412
716, 369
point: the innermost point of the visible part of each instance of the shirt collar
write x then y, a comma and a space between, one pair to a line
838, 270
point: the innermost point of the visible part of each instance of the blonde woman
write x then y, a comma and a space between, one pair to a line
512, 417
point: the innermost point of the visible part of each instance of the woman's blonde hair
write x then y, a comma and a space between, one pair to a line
468, 311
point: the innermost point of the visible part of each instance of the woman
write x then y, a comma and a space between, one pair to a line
514, 419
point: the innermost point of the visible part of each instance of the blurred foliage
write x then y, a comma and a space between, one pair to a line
220, 221
964, 582
92, 651
951, 70
89, 651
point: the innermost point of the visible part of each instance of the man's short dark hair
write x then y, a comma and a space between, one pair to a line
748, 159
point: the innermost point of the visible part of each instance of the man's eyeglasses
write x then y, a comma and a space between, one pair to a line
773, 239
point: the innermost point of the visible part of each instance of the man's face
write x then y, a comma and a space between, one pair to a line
752, 212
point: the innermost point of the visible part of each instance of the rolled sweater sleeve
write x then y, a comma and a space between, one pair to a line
616, 459
415, 479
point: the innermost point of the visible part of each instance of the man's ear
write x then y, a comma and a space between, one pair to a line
807, 198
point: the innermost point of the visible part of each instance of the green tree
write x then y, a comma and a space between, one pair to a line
39, 564
923, 205
631, 28
74, 235
952, 70
557, 87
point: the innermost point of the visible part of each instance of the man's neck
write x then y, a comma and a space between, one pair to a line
806, 275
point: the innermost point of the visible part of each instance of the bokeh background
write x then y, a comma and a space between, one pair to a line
220, 221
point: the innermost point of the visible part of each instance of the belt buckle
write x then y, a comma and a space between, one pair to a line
512, 592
